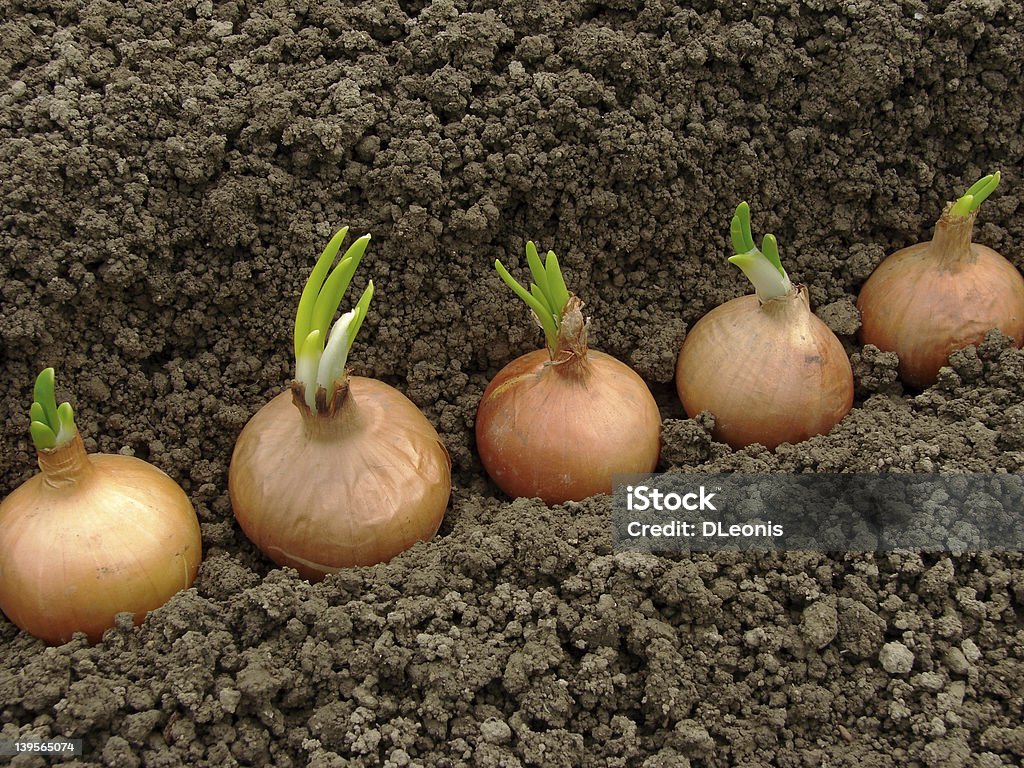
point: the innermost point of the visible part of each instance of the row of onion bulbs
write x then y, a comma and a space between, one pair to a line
558, 424
340, 470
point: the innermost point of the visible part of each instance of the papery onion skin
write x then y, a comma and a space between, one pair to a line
770, 373
324, 491
559, 432
930, 299
92, 536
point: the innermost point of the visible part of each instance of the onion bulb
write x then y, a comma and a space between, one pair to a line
557, 424
928, 300
90, 536
764, 365
338, 470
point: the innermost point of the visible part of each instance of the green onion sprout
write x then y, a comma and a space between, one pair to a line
321, 350
51, 426
547, 296
761, 266
976, 195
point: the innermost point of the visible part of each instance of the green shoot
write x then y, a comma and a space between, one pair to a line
548, 294
761, 266
339, 343
976, 195
50, 426
321, 351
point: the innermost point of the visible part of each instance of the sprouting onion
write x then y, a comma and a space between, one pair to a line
337, 470
557, 423
90, 536
764, 365
927, 300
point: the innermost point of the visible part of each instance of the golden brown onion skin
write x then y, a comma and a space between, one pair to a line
928, 300
319, 493
770, 374
90, 537
559, 432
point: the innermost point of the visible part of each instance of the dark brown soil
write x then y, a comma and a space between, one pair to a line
171, 169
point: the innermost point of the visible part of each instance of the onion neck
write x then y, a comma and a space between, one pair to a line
330, 418
66, 465
794, 307
951, 242
569, 357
